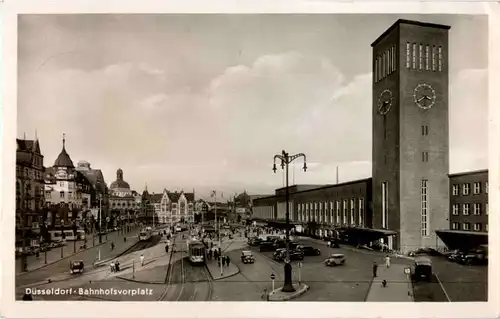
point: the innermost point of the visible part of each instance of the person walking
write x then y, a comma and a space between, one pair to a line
166, 249
112, 266
375, 266
112, 245
142, 260
387, 261
228, 260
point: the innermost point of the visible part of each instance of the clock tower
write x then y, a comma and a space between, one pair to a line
410, 133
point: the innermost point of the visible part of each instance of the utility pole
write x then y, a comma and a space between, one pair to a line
100, 218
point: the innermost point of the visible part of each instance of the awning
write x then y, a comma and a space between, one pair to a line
462, 240
363, 236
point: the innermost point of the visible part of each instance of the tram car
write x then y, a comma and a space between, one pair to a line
145, 235
196, 251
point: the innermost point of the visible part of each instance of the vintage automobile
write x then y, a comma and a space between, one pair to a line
422, 268
266, 246
76, 266
278, 254
309, 251
332, 242
335, 260
295, 254
247, 257
254, 241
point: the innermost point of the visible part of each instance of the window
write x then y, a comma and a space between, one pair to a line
486, 187
486, 208
433, 58
466, 189
456, 189
455, 226
388, 64
379, 68
477, 188
466, 226
70, 195
427, 57
337, 212
421, 57
477, 227
425, 157
375, 73
407, 55
466, 209
394, 67
383, 65
425, 130
385, 208
61, 184
424, 209
61, 194
440, 59
414, 55
361, 211
456, 209
344, 215
331, 212
352, 211
477, 209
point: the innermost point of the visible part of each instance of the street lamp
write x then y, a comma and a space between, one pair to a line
100, 218
286, 159
63, 237
45, 252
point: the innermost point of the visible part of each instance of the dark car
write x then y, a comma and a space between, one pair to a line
266, 246
254, 241
422, 268
309, 251
295, 254
281, 243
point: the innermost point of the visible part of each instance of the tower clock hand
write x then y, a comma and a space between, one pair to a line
420, 99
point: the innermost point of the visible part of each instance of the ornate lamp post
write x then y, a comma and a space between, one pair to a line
286, 159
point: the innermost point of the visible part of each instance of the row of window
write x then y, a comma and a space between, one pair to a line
329, 212
28, 173
424, 57
466, 188
124, 204
466, 226
385, 64
477, 209
48, 195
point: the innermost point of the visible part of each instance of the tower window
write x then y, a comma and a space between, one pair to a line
466, 209
344, 208
477, 226
388, 64
456, 209
477, 208
361, 205
385, 208
379, 67
433, 58
466, 189
456, 189
394, 67
427, 49
425, 156
420, 57
424, 209
414, 55
477, 188
407, 55
440, 59
375, 73
466, 226
425, 130
383, 65
455, 226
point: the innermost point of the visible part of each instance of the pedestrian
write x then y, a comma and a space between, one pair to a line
387, 261
112, 245
228, 260
265, 295
375, 266
142, 260
117, 266
218, 261
166, 249
124, 239
112, 266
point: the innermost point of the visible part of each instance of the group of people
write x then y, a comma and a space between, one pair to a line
225, 260
115, 266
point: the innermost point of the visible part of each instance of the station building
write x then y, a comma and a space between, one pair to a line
408, 203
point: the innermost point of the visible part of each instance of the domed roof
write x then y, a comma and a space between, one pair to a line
119, 183
63, 160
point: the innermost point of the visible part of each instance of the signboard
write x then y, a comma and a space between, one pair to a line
407, 270
273, 276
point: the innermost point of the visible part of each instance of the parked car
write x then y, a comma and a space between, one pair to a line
309, 251
425, 251
422, 268
333, 243
266, 246
76, 266
295, 254
254, 241
335, 260
247, 257
278, 254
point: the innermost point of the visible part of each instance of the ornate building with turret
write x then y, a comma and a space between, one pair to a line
124, 202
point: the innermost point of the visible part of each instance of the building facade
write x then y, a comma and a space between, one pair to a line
469, 201
410, 196
68, 193
176, 207
29, 186
123, 201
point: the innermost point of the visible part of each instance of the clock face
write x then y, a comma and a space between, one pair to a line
384, 102
424, 96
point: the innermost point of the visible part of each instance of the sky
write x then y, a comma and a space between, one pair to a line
204, 102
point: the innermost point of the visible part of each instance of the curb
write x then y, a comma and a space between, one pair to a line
104, 261
227, 276
368, 290
292, 296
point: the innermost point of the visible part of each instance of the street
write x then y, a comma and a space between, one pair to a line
171, 277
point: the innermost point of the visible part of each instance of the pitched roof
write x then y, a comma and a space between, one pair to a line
174, 196
155, 197
63, 160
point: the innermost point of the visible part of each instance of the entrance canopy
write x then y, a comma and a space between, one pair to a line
363, 236
462, 240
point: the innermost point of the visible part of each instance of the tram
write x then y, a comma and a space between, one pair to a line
145, 234
196, 251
